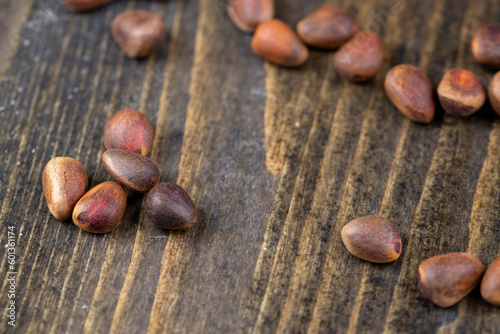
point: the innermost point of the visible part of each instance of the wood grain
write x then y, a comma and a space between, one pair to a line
277, 161
12, 18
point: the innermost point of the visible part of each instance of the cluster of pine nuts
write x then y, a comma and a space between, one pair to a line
443, 279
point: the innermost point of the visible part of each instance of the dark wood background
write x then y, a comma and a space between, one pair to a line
277, 161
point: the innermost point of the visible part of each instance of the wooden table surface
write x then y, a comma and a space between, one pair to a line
277, 161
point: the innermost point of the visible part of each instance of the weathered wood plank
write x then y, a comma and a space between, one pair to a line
277, 161
222, 127
12, 18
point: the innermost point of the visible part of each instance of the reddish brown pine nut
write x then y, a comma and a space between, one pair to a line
101, 209
486, 45
361, 57
328, 27
64, 183
134, 171
169, 206
460, 92
277, 43
129, 130
138, 32
446, 279
490, 285
248, 14
494, 93
411, 91
372, 238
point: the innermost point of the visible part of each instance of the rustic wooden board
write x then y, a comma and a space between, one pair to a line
277, 161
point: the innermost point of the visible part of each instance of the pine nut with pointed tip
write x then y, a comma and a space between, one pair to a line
129, 130
248, 14
486, 45
460, 92
490, 285
411, 91
361, 57
327, 28
64, 182
134, 171
372, 238
101, 209
278, 43
139, 33
169, 206
494, 93
446, 279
